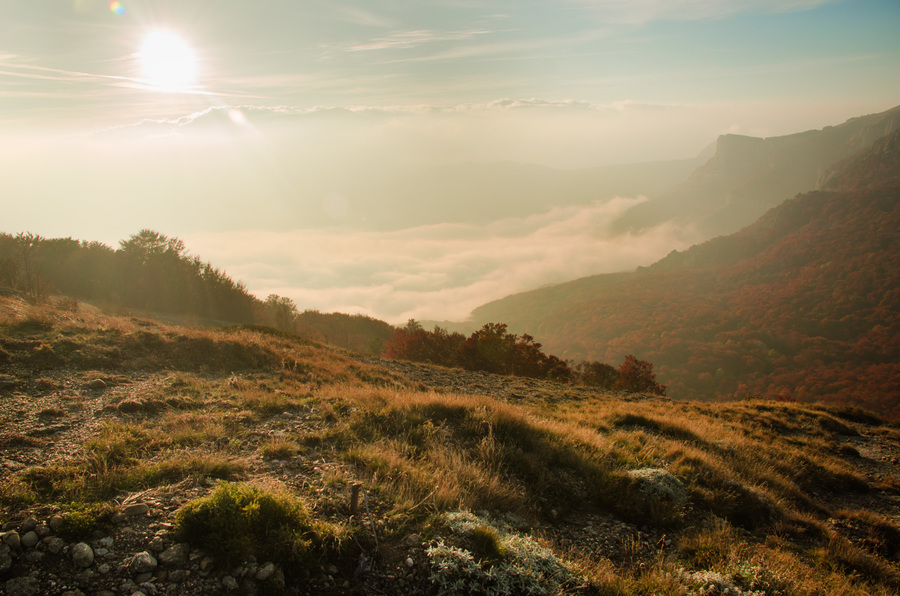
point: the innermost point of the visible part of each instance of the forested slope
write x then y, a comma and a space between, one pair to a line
803, 304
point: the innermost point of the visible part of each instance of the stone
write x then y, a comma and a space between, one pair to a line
28, 525
143, 562
229, 583
105, 542
157, 544
175, 556
413, 540
23, 586
12, 539
73, 593
136, 509
30, 539
34, 556
265, 572
82, 555
43, 530
55, 544
97, 384
5, 558
84, 578
177, 576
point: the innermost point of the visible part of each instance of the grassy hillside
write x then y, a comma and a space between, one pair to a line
804, 304
196, 461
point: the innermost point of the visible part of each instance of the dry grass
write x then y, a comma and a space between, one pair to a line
762, 478
279, 448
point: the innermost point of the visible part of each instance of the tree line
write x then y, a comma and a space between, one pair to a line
494, 349
153, 272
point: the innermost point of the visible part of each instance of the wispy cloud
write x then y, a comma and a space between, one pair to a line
413, 38
360, 16
643, 11
31, 71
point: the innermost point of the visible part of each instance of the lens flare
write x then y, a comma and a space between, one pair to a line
117, 8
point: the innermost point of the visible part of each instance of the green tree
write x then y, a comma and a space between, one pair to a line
281, 311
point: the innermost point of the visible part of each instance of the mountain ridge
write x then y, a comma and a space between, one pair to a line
803, 304
748, 175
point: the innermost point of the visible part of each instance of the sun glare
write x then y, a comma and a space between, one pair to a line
167, 62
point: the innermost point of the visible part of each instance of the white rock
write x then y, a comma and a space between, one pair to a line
136, 509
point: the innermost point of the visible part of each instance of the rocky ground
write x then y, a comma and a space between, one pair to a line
46, 417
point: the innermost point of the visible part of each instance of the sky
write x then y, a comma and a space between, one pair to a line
300, 145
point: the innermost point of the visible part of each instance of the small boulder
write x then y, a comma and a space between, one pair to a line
265, 572
82, 555
28, 525
55, 544
12, 539
175, 556
157, 544
56, 522
143, 562
30, 539
136, 509
97, 384
5, 558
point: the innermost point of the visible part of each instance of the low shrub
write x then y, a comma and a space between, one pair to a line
82, 520
520, 565
237, 521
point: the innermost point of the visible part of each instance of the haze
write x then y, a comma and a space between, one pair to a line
375, 157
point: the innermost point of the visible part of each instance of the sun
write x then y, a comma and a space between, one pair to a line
167, 62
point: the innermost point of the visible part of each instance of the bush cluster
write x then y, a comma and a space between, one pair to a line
494, 349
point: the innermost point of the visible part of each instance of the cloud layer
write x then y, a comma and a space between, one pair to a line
433, 272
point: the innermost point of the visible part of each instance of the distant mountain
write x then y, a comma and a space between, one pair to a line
803, 304
749, 175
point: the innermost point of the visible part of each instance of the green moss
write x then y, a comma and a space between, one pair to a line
83, 519
237, 521
486, 543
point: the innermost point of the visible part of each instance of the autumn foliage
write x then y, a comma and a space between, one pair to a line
802, 305
494, 349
